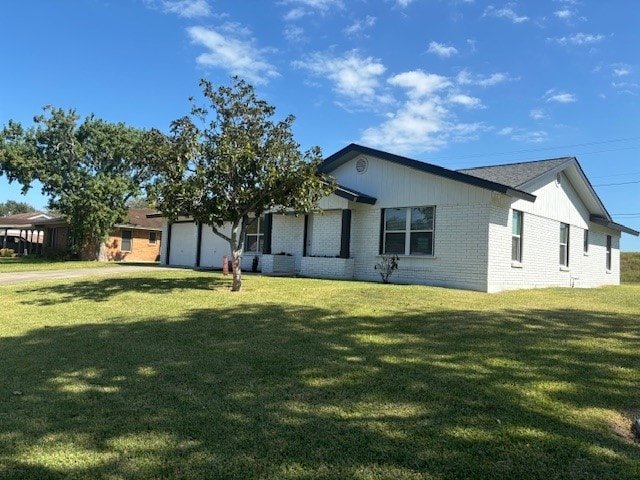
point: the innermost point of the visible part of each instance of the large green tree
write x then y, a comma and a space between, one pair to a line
228, 162
13, 207
88, 170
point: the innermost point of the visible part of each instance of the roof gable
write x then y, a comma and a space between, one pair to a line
519, 175
353, 150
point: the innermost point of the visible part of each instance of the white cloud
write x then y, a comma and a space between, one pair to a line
565, 13
302, 8
621, 71
465, 100
419, 84
426, 121
522, 135
294, 33
466, 78
578, 39
442, 50
559, 97
506, 12
403, 3
233, 51
182, 8
353, 76
538, 114
357, 28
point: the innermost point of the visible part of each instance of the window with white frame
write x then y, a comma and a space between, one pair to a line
564, 244
254, 237
608, 252
516, 236
408, 231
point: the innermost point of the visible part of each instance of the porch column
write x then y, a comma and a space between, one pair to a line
268, 231
169, 228
345, 238
305, 236
199, 245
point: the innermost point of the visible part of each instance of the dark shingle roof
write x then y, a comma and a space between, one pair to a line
516, 174
138, 217
352, 150
23, 218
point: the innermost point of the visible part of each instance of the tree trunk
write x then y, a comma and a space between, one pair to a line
102, 252
237, 271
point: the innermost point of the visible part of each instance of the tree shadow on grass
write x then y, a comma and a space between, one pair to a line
104, 289
260, 391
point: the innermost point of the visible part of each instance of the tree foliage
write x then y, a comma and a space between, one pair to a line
229, 162
88, 170
13, 207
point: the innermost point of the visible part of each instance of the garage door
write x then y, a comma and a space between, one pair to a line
183, 244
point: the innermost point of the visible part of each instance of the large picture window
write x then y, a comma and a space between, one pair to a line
254, 237
516, 236
408, 231
564, 244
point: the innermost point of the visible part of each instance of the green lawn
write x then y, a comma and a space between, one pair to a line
630, 267
35, 262
169, 375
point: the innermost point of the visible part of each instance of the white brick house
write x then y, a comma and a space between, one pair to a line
525, 225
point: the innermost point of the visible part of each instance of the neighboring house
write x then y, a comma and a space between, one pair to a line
19, 232
137, 239
523, 225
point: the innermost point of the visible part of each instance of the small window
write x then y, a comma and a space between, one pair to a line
408, 231
608, 252
564, 244
126, 240
254, 236
586, 241
153, 238
516, 236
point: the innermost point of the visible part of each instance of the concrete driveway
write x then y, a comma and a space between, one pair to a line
37, 275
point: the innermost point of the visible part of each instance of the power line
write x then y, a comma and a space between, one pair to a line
616, 184
530, 150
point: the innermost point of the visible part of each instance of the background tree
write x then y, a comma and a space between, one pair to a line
88, 170
229, 162
12, 207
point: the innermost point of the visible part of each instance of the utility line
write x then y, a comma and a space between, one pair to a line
616, 184
530, 150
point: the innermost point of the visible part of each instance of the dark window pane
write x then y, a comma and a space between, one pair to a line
252, 228
394, 243
517, 222
515, 249
564, 232
395, 219
422, 218
126, 241
422, 243
563, 255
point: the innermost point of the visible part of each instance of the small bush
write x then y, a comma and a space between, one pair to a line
386, 266
7, 252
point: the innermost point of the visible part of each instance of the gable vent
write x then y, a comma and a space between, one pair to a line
362, 164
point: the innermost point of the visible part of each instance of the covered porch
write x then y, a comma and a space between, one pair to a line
317, 245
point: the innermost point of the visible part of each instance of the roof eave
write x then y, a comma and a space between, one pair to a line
613, 225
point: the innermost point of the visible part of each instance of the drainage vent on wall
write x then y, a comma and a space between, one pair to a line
361, 165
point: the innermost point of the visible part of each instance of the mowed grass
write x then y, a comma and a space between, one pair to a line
35, 262
169, 375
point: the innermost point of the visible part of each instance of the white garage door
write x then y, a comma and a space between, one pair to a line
183, 244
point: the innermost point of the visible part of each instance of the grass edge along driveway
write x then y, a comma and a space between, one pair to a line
169, 375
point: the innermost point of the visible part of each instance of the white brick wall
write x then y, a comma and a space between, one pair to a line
288, 236
319, 267
460, 252
540, 265
325, 233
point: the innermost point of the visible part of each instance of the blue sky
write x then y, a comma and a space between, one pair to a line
457, 83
